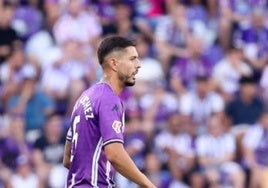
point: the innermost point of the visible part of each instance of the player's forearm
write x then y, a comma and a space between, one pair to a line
131, 172
67, 153
125, 166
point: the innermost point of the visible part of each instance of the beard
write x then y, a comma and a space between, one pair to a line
129, 84
126, 80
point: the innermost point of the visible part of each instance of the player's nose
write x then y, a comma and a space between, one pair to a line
138, 64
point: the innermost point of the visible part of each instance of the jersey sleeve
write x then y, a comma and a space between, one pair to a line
110, 120
69, 134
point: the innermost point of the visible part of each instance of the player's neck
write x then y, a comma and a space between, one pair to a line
113, 83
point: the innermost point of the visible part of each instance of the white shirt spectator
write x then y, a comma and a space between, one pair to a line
181, 143
200, 109
24, 175
165, 24
228, 76
215, 147
57, 176
167, 31
55, 80
34, 49
21, 182
53, 77
82, 28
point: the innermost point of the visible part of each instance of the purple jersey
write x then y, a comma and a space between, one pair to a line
97, 120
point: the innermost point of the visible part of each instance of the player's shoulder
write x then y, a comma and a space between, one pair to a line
102, 91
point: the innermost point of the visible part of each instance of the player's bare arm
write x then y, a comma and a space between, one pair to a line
67, 154
122, 162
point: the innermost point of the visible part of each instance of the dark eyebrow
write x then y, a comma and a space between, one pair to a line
134, 57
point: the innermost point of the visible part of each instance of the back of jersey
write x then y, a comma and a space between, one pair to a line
96, 121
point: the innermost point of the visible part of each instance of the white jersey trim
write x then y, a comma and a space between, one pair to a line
95, 164
108, 170
112, 140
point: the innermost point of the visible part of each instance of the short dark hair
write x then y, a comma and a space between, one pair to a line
247, 80
110, 44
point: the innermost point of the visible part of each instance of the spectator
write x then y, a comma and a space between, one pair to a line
231, 13
171, 34
247, 107
106, 11
200, 104
11, 74
78, 24
196, 64
254, 36
161, 103
228, 71
13, 144
176, 150
16, 134
31, 103
55, 81
123, 24
244, 110
216, 153
69, 70
48, 153
44, 36
8, 36
256, 152
24, 175
199, 22
27, 20
77, 41
135, 144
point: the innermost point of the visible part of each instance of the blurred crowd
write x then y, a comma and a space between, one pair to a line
197, 116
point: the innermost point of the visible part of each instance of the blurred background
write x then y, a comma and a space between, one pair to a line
197, 116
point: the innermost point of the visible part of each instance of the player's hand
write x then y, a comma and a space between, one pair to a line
150, 186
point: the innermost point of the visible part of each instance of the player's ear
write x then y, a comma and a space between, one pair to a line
113, 64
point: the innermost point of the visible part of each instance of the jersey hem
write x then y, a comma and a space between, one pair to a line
111, 141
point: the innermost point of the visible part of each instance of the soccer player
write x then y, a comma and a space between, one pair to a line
94, 143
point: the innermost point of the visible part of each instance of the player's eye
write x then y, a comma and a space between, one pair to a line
134, 58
